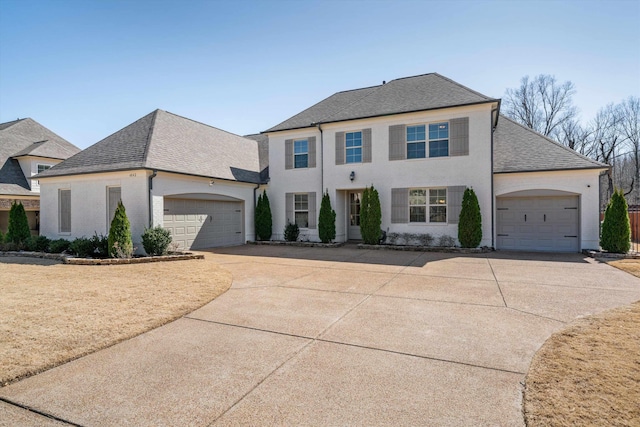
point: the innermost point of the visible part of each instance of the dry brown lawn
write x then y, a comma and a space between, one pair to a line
589, 374
53, 313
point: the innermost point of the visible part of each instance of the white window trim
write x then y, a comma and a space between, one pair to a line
301, 210
300, 154
426, 141
428, 206
346, 149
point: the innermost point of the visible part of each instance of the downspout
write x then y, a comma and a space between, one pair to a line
494, 111
255, 204
153, 175
321, 159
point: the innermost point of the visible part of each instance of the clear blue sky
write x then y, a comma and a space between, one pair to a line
85, 69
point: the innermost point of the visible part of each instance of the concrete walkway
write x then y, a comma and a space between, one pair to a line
312, 336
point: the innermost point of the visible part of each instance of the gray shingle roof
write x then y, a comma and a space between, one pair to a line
520, 149
26, 137
171, 143
404, 95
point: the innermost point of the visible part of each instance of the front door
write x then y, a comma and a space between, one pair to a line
354, 215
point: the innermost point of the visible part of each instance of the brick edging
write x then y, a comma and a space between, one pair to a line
597, 255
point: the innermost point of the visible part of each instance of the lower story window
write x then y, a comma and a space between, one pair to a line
301, 210
64, 211
436, 204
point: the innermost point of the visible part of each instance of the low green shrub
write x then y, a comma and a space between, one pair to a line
100, 245
37, 244
446, 241
81, 247
59, 245
1, 237
156, 240
291, 232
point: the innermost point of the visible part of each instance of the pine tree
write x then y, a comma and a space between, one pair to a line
18, 231
263, 219
326, 220
616, 230
120, 244
470, 222
370, 216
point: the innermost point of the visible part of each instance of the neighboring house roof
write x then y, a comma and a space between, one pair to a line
26, 137
404, 95
520, 149
167, 142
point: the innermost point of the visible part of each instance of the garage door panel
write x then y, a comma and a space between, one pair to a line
199, 224
538, 223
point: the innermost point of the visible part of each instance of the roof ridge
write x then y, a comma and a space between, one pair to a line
13, 122
202, 123
378, 87
595, 162
411, 77
147, 144
465, 87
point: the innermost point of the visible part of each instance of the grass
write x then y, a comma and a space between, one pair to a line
589, 373
53, 313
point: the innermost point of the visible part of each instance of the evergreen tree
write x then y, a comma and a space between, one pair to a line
616, 230
470, 223
263, 219
18, 231
370, 216
120, 244
326, 220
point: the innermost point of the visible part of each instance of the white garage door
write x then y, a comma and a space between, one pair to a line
199, 224
538, 224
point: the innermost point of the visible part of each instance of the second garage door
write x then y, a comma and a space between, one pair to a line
538, 224
199, 224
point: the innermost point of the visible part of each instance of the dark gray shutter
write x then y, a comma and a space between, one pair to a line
366, 145
288, 154
454, 203
399, 205
311, 197
312, 151
339, 148
113, 197
64, 208
397, 142
288, 200
459, 137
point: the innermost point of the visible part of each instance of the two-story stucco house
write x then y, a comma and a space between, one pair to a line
420, 141
27, 148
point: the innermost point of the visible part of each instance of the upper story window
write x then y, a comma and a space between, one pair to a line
439, 140
301, 153
353, 145
42, 168
433, 201
415, 142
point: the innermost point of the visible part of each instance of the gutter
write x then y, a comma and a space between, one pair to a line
153, 175
319, 125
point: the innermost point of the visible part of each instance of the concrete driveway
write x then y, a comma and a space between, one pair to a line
312, 336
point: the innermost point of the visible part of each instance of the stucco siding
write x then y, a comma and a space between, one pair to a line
473, 170
89, 203
583, 183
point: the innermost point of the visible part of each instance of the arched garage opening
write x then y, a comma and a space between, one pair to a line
538, 220
200, 220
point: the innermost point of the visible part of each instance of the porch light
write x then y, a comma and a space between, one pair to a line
352, 176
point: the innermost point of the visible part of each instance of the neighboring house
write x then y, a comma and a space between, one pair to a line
420, 141
195, 180
27, 148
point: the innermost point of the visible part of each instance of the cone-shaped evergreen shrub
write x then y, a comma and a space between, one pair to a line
370, 216
326, 220
263, 220
470, 221
120, 244
18, 231
616, 230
